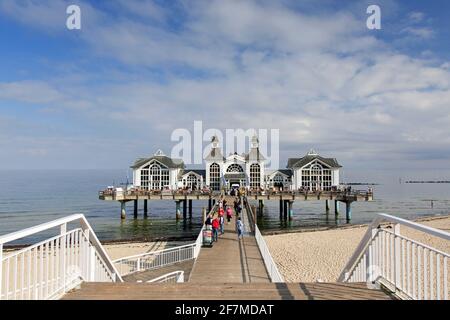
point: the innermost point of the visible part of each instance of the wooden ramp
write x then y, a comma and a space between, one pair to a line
230, 260
224, 291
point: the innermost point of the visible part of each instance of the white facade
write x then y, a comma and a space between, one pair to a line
314, 173
235, 170
157, 173
311, 172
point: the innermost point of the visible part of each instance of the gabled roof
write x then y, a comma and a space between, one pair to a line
168, 162
200, 172
286, 172
215, 155
301, 162
235, 157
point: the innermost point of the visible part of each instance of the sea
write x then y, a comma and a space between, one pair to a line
32, 197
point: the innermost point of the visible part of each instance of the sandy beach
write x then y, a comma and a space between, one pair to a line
306, 256
321, 255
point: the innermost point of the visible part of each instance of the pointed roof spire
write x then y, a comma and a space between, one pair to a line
255, 141
159, 153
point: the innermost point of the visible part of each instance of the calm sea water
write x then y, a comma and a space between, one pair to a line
30, 197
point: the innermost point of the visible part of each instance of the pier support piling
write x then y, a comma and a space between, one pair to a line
281, 209
190, 208
348, 211
123, 210
285, 209
291, 210
145, 208
327, 206
336, 207
178, 209
203, 215
260, 206
184, 209
135, 212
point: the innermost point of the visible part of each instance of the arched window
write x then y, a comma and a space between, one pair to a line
316, 177
255, 176
214, 177
155, 176
235, 168
192, 182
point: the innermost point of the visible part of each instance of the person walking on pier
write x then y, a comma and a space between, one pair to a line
229, 214
240, 228
215, 227
221, 223
208, 221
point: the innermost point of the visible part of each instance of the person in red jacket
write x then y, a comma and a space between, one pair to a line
215, 227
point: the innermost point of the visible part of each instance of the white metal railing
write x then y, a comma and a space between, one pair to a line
155, 259
408, 268
48, 269
271, 267
161, 258
172, 277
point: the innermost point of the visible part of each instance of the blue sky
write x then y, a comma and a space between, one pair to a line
115, 90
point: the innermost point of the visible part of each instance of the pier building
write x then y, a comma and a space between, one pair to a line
314, 173
311, 177
311, 172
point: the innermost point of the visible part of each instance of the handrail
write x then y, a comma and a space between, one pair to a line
39, 228
271, 267
364, 243
141, 255
406, 267
45, 268
161, 258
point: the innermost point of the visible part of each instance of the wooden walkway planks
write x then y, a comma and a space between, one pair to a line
230, 260
223, 291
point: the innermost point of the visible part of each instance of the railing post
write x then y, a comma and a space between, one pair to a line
91, 263
370, 269
397, 256
1, 270
63, 230
138, 266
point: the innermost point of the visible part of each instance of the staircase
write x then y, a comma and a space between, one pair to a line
226, 291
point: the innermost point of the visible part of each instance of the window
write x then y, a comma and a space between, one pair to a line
214, 177
144, 178
278, 180
255, 176
316, 177
192, 181
235, 168
154, 177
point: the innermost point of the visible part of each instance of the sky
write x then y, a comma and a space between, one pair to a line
115, 90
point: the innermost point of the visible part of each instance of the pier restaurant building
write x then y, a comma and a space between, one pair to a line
310, 172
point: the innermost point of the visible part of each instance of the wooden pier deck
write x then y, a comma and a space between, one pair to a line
231, 269
355, 195
230, 260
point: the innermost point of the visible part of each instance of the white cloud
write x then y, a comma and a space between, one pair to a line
321, 79
420, 32
416, 16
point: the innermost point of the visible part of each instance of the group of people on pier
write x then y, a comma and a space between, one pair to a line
216, 223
